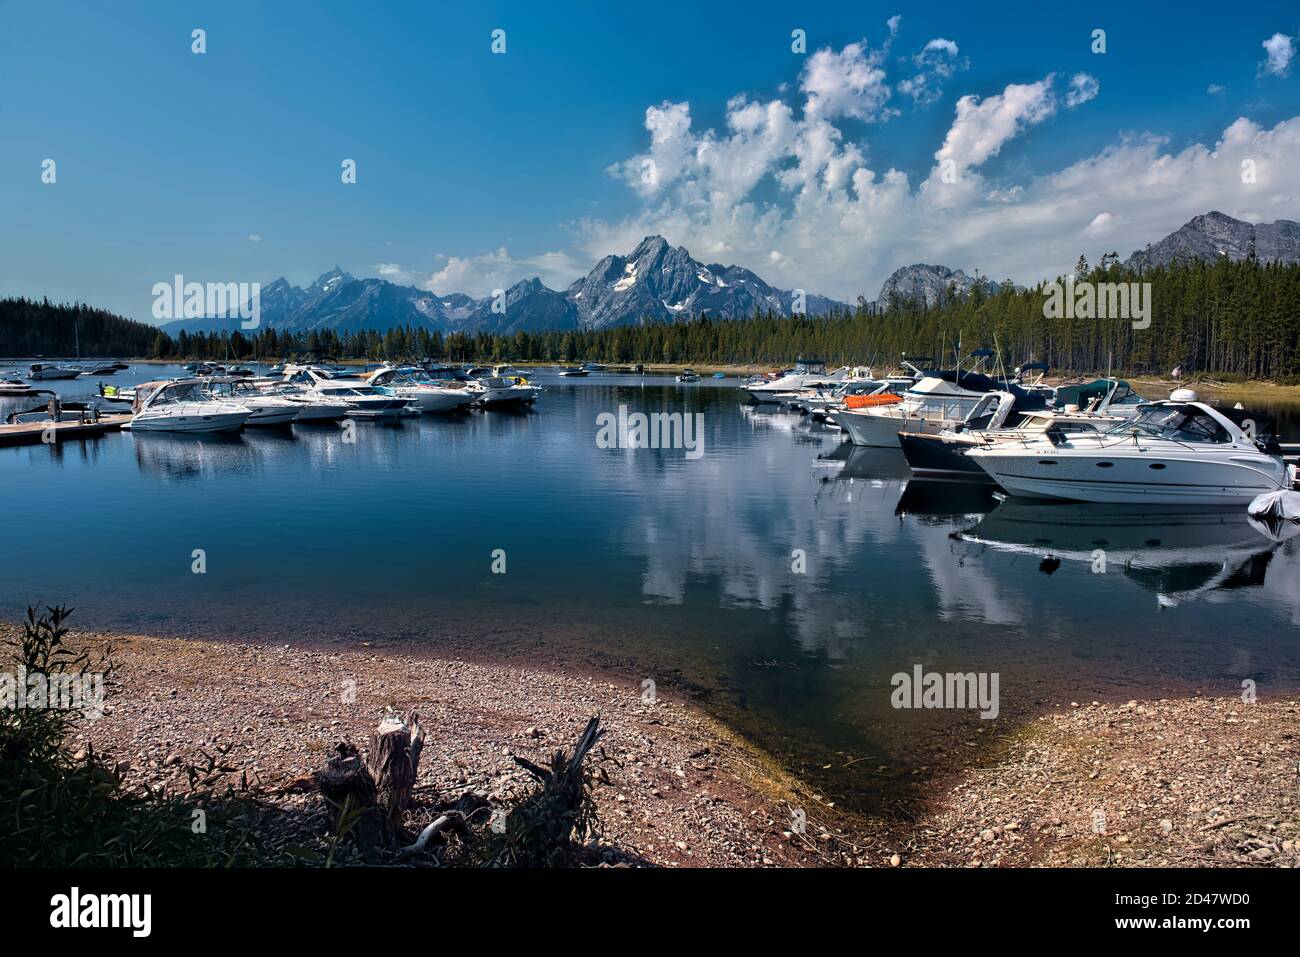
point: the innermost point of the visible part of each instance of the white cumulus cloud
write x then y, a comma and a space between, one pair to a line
1279, 50
848, 83
1083, 87
497, 269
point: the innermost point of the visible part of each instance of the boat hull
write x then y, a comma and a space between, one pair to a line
1136, 479
935, 456
881, 431
221, 422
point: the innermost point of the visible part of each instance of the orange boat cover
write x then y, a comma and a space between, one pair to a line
863, 401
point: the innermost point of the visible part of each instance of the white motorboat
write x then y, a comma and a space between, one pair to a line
50, 370
1179, 451
501, 390
804, 371
938, 401
819, 398
312, 406
944, 455
362, 399
1020, 413
264, 409
418, 388
183, 405
15, 389
688, 375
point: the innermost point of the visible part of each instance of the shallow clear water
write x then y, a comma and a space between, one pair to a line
649, 562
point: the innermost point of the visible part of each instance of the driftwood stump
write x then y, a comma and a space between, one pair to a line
395, 762
372, 795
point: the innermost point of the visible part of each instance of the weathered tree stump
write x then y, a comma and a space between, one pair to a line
394, 764
347, 783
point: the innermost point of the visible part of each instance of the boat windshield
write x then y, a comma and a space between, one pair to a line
1181, 423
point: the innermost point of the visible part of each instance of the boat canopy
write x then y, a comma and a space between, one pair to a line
971, 381
1084, 393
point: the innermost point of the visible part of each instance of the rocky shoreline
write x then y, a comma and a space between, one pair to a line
1193, 782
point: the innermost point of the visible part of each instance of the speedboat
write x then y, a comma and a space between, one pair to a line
506, 390
110, 369
805, 370
49, 370
416, 386
819, 399
363, 400
1179, 451
264, 409
944, 455
183, 405
15, 389
574, 372
312, 406
116, 393
1018, 415
688, 375
939, 401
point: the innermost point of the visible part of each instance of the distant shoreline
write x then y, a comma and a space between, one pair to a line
1147, 385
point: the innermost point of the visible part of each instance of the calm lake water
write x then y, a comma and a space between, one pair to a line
650, 563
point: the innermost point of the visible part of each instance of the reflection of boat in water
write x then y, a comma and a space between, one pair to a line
168, 456
939, 498
1177, 553
873, 463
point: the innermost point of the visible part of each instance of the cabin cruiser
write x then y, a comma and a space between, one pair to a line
688, 375
944, 455
1018, 415
416, 386
821, 399
49, 370
183, 405
1179, 451
312, 406
501, 389
265, 409
938, 401
804, 371
362, 399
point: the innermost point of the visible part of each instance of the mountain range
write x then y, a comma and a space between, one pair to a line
658, 282
655, 283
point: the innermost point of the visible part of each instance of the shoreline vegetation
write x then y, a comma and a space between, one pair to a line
1195, 780
1229, 320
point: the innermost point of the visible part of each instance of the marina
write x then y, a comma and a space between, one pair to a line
645, 561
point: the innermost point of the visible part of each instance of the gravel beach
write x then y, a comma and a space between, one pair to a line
1195, 781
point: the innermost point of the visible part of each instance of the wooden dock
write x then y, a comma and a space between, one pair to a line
34, 433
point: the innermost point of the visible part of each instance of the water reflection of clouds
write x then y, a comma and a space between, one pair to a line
731, 529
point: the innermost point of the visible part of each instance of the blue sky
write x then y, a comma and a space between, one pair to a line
477, 169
